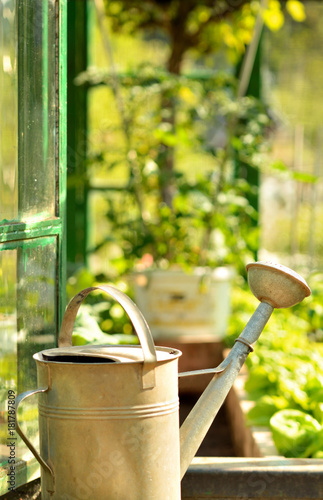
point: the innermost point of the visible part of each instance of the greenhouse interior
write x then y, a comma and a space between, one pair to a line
165, 159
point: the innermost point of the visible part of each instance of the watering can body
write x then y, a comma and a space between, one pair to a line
108, 415
103, 435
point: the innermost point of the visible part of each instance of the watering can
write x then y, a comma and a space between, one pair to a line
109, 415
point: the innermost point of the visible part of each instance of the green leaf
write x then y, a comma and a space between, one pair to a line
318, 412
261, 381
265, 408
315, 449
294, 432
304, 177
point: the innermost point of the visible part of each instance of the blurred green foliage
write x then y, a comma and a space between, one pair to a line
208, 220
176, 153
201, 28
101, 320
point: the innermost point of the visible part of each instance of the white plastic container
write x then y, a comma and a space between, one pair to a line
178, 304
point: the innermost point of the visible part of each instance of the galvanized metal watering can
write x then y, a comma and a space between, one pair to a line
108, 415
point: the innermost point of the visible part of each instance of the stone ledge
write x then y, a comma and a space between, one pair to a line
259, 478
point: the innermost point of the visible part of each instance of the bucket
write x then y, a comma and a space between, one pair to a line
177, 304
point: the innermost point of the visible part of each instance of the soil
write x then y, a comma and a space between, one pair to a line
30, 491
217, 442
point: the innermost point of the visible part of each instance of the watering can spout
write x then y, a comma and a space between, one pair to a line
275, 286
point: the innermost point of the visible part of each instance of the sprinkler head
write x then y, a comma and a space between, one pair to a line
277, 285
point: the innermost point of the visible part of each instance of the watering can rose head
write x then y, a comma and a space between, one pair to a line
276, 284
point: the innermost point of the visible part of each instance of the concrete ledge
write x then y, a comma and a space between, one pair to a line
259, 478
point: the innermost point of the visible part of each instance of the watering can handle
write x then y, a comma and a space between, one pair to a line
140, 325
47, 469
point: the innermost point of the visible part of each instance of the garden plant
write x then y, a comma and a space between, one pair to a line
186, 105
285, 373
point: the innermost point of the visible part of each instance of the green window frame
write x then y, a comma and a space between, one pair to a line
33, 53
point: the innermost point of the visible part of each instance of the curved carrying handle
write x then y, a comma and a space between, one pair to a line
41, 461
140, 325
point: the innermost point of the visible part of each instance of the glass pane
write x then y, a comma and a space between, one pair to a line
36, 101
28, 77
8, 111
28, 324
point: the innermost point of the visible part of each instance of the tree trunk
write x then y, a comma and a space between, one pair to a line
167, 152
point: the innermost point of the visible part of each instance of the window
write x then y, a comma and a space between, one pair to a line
32, 205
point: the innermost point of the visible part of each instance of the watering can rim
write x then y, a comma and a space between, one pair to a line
118, 354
